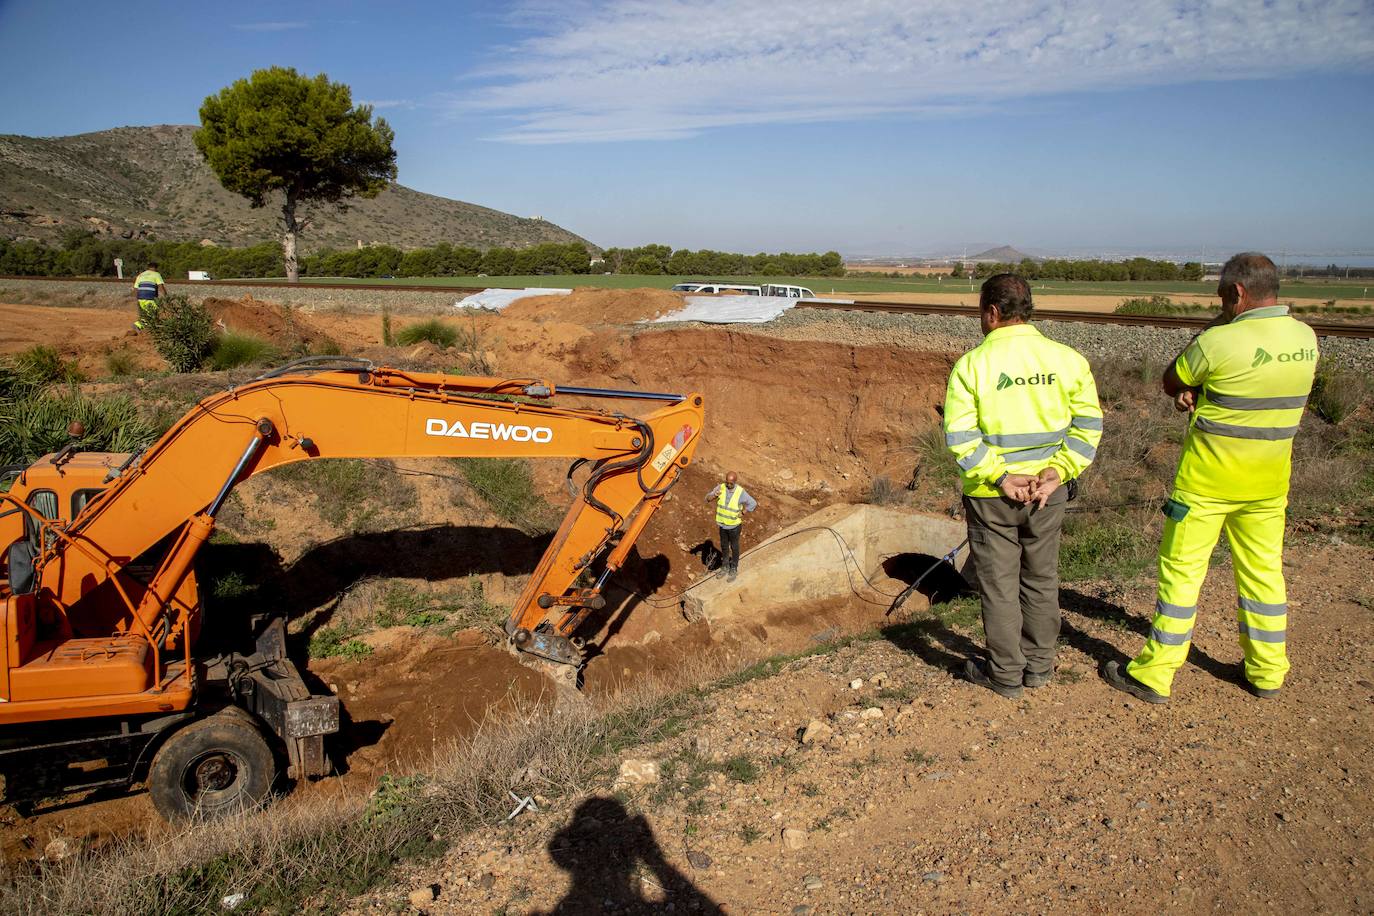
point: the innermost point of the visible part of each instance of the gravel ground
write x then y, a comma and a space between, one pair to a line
944, 333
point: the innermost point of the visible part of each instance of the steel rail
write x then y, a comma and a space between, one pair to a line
1323, 329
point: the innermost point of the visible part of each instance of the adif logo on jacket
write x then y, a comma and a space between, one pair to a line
1039, 378
1297, 356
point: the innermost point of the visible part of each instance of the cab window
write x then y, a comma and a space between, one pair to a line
81, 497
44, 502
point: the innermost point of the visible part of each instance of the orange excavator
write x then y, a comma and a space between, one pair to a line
107, 681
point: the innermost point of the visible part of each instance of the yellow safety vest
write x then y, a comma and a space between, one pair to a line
1019, 403
1255, 374
727, 506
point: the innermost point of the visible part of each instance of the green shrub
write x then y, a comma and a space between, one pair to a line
182, 332
37, 423
42, 365
1101, 547
1155, 305
233, 349
350, 492
338, 642
507, 487
120, 363
464, 606
326, 346
434, 331
1338, 393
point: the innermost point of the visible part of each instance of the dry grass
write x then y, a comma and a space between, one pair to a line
322, 849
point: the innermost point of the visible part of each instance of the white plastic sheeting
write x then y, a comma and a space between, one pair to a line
497, 299
736, 309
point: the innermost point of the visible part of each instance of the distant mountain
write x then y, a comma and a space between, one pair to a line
1003, 255
150, 182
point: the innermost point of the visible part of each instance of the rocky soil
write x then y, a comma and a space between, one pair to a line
869, 780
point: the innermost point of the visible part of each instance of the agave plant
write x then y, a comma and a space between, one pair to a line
41, 422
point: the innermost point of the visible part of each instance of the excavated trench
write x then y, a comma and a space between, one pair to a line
808, 425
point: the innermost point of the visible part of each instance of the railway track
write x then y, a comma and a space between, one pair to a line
1323, 329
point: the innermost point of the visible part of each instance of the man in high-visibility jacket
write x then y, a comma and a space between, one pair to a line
149, 288
1245, 379
1022, 418
731, 504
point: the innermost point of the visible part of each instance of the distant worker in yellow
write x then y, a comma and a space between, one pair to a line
149, 288
731, 503
1022, 419
1245, 380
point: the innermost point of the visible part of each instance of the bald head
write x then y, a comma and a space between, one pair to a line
730, 478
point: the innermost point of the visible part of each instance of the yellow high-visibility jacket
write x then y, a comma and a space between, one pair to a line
1019, 403
1255, 374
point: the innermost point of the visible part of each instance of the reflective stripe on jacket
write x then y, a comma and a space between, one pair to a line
728, 513
1255, 373
146, 284
1019, 403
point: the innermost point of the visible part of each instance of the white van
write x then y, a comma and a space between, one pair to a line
198, 275
788, 291
712, 287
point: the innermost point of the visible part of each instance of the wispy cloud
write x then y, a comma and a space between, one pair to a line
269, 26
666, 69
381, 104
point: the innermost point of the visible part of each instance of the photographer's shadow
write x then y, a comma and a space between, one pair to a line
613, 857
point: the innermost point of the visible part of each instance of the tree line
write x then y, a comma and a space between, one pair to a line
81, 254
661, 259
1094, 270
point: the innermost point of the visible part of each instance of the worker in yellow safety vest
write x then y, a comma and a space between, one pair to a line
731, 503
149, 288
1022, 418
1245, 380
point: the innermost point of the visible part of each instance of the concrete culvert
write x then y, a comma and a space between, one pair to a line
864, 552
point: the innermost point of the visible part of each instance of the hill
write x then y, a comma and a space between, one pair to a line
1003, 255
150, 182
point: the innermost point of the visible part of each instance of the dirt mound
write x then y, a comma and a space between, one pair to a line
597, 306
269, 320
799, 415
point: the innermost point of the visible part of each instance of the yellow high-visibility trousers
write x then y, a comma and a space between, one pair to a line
1254, 530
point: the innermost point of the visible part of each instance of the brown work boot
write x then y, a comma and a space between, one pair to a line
975, 672
1121, 679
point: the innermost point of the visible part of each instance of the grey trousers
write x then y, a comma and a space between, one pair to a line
1016, 553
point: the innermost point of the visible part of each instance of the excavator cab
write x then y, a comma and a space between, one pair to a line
84, 680
47, 662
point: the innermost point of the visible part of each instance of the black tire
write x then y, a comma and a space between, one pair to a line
216, 766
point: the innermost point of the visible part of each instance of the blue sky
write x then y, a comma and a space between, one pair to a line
887, 127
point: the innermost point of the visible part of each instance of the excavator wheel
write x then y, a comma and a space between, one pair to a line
216, 766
